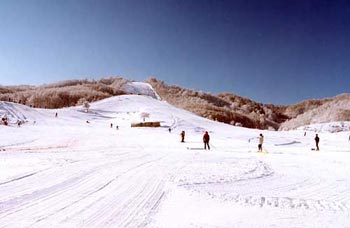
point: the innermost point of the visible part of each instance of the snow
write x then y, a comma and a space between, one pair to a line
140, 88
328, 127
65, 172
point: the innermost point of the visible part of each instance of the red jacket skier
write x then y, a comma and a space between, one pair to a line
206, 139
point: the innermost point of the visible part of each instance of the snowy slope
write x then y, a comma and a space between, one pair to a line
77, 171
328, 127
140, 88
15, 112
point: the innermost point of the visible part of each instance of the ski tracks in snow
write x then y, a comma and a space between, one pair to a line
118, 192
243, 182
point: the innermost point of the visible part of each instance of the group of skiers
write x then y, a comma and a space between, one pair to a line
5, 121
206, 139
116, 127
261, 141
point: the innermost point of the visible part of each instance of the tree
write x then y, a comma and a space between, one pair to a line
144, 115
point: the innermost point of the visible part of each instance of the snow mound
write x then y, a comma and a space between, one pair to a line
140, 88
127, 109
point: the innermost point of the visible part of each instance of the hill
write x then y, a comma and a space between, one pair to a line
335, 109
224, 107
72, 92
233, 109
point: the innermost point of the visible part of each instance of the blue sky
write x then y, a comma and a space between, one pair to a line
277, 52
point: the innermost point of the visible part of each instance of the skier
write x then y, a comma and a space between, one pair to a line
169, 130
261, 141
305, 133
4, 120
56, 115
182, 136
317, 140
111, 125
206, 139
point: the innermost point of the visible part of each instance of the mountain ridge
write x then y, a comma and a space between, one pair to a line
225, 107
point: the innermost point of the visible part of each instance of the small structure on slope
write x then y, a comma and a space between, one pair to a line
146, 124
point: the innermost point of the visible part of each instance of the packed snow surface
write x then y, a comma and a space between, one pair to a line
77, 170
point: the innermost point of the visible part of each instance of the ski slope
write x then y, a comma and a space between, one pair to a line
77, 171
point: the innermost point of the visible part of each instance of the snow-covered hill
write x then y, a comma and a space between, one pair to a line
15, 112
336, 109
76, 170
224, 107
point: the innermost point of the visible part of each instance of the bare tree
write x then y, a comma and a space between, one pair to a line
144, 115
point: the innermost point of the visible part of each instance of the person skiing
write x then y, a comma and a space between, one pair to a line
4, 120
182, 136
261, 141
169, 129
206, 139
111, 125
317, 140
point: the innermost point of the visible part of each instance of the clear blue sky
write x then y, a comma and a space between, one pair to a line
278, 51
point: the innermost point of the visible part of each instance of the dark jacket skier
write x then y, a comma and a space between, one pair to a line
182, 134
206, 139
261, 141
317, 140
